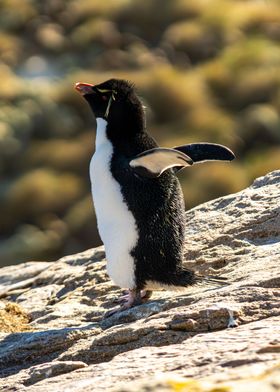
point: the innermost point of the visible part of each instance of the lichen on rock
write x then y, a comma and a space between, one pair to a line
13, 318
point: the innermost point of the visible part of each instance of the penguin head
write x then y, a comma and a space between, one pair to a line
114, 100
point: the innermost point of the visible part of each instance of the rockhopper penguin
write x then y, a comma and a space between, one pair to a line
137, 197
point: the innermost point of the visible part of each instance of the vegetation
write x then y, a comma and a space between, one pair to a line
207, 71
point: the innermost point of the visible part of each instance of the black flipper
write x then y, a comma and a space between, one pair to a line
152, 163
206, 152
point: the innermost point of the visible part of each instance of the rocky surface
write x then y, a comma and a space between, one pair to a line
176, 341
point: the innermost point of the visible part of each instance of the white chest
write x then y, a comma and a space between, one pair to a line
116, 224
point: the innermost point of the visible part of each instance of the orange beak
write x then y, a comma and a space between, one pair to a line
84, 88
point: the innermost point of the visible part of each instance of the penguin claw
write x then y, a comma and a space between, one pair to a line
123, 299
122, 308
129, 300
111, 313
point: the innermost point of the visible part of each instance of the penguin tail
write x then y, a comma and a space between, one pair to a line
190, 277
184, 277
210, 279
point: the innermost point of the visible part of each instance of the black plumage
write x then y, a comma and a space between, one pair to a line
154, 197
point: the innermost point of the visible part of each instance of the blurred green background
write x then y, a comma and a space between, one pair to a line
207, 70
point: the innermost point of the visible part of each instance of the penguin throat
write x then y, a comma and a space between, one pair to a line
125, 125
101, 136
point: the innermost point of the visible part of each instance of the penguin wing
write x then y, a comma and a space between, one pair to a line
152, 163
200, 152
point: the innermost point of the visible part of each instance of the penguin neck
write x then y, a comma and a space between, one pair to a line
124, 127
119, 135
101, 134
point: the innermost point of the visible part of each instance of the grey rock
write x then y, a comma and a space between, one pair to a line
50, 369
70, 347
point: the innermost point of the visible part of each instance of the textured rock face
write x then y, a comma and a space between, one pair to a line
69, 347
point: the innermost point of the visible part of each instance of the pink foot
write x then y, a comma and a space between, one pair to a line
128, 296
130, 299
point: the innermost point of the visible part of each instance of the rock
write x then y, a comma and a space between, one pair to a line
174, 339
51, 369
15, 278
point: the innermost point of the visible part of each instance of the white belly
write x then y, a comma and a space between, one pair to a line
116, 224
